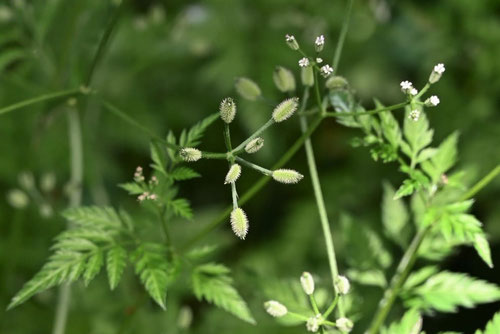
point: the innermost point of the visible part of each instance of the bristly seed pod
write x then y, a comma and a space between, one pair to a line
190, 154
307, 76
283, 79
275, 309
287, 176
248, 89
285, 109
233, 174
344, 324
227, 110
307, 282
342, 285
239, 223
336, 82
254, 145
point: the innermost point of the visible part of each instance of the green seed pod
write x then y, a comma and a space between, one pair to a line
248, 89
344, 324
190, 154
275, 309
313, 323
307, 282
233, 174
292, 42
336, 82
227, 110
342, 285
239, 223
254, 145
285, 109
17, 198
287, 176
307, 76
283, 79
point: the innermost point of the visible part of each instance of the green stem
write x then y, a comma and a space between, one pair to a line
76, 166
481, 183
227, 137
368, 112
325, 224
343, 34
422, 92
332, 306
258, 168
38, 99
213, 155
263, 128
314, 305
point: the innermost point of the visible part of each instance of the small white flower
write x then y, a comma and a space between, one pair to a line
413, 91
326, 70
343, 285
414, 115
319, 60
275, 309
304, 62
320, 40
143, 196
307, 282
153, 197
292, 42
289, 38
406, 86
432, 101
313, 323
439, 68
344, 324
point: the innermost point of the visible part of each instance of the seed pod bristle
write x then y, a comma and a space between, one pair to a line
288, 176
233, 174
227, 110
285, 109
239, 223
190, 154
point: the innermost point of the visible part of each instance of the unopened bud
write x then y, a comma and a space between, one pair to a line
436, 74
248, 89
307, 76
432, 101
239, 223
233, 174
336, 82
17, 198
307, 282
344, 324
287, 176
313, 323
292, 42
414, 115
227, 110
254, 145
285, 109
319, 43
283, 79
190, 154
275, 309
342, 285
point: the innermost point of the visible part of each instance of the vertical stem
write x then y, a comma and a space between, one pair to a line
343, 34
75, 198
318, 194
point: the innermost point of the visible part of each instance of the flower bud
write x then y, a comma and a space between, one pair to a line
344, 324
275, 309
283, 79
326, 70
414, 115
285, 109
432, 101
319, 43
254, 145
292, 42
313, 323
227, 110
307, 76
239, 223
342, 285
17, 198
436, 74
26, 180
233, 174
406, 86
287, 176
190, 154
336, 82
248, 89
307, 282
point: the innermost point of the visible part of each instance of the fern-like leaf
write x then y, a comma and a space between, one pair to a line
411, 323
116, 261
493, 326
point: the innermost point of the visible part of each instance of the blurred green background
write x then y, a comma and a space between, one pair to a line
168, 65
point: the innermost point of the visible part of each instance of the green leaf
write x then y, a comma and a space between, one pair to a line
394, 216
483, 248
213, 283
493, 326
195, 133
94, 216
406, 189
420, 276
444, 158
417, 134
116, 261
94, 265
446, 291
372, 277
158, 156
132, 188
183, 173
411, 323
152, 267
180, 207
390, 128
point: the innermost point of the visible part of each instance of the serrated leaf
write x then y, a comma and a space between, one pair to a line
132, 188
444, 158
492, 327
411, 323
193, 136
94, 265
180, 207
417, 134
116, 261
200, 252
105, 217
406, 189
483, 248
372, 277
446, 291
212, 283
158, 156
419, 276
183, 173
394, 216
390, 128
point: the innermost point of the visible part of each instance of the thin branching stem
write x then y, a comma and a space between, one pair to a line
368, 112
254, 166
40, 99
343, 34
263, 128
